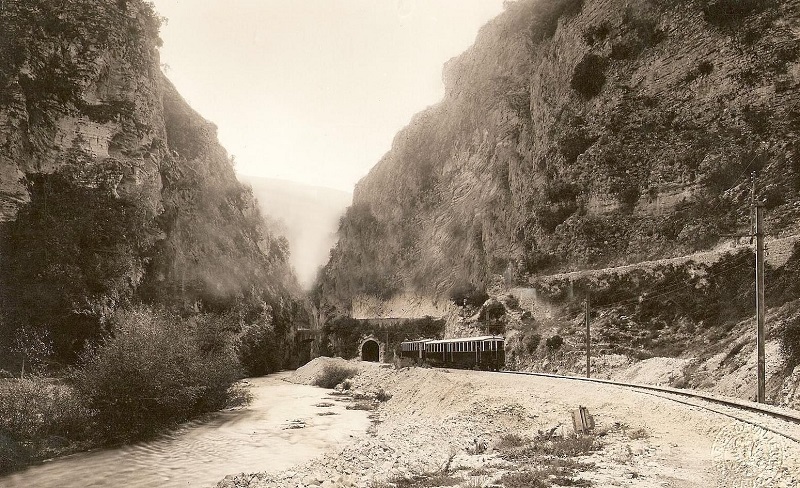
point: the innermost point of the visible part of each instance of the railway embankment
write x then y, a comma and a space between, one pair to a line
436, 427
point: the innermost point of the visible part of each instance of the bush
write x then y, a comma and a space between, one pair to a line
39, 418
492, 311
510, 441
151, 372
524, 479
333, 374
468, 293
532, 341
589, 76
554, 343
257, 348
727, 13
512, 302
382, 396
790, 341
35, 408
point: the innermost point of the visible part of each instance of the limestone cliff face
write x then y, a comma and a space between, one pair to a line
583, 133
83, 98
81, 75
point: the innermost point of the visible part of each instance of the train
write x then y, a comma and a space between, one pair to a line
482, 352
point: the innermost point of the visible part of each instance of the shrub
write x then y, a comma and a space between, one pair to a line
512, 302
532, 341
790, 341
35, 408
493, 311
589, 76
151, 372
361, 405
333, 374
554, 343
524, 479
468, 293
510, 441
39, 418
382, 396
257, 348
596, 33
726, 13
639, 433
570, 446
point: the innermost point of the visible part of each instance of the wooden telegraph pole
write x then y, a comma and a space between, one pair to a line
758, 232
758, 207
588, 338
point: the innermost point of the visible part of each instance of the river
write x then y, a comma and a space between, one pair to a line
262, 437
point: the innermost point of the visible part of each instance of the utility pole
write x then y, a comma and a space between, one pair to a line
588, 337
758, 207
757, 231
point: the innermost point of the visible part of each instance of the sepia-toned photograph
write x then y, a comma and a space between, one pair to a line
399, 243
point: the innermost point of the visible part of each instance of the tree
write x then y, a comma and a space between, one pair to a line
74, 255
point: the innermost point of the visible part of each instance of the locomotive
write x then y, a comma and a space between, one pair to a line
483, 352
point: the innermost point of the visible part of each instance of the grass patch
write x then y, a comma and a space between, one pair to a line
361, 405
558, 447
524, 479
510, 441
554, 457
637, 434
382, 396
427, 481
333, 374
481, 471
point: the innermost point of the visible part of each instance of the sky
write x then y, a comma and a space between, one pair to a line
313, 91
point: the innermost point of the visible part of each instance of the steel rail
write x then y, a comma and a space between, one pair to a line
769, 410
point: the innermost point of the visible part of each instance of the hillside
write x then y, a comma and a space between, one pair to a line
582, 134
599, 149
113, 191
307, 216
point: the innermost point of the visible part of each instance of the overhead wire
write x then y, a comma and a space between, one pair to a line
666, 290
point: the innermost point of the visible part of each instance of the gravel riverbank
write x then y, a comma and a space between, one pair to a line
472, 429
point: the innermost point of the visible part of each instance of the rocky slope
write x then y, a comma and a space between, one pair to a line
112, 189
583, 133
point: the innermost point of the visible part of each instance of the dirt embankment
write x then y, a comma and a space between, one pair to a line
470, 429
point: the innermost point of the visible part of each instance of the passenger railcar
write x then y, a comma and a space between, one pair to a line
413, 349
484, 352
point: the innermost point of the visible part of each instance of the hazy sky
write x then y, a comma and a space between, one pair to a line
314, 90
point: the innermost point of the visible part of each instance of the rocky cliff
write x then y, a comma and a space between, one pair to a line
579, 134
112, 189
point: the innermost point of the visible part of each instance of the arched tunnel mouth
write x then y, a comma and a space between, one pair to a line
370, 351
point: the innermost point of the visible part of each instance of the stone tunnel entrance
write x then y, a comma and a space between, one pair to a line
370, 351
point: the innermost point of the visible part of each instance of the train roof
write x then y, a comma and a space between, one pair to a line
467, 339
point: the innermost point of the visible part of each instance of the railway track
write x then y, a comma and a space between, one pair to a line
703, 401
